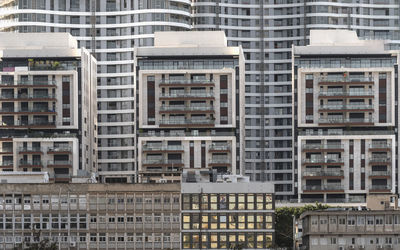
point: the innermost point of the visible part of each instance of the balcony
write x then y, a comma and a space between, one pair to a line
323, 188
59, 164
205, 122
30, 150
27, 111
308, 174
346, 121
162, 149
29, 124
59, 150
219, 148
380, 188
25, 97
186, 82
167, 170
347, 94
6, 164
339, 80
219, 162
323, 147
30, 164
29, 84
380, 174
187, 95
380, 147
346, 107
60, 178
186, 109
323, 161
6, 151
162, 162
380, 160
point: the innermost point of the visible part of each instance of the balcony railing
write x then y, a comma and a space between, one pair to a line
380, 145
186, 81
323, 160
30, 123
380, 159
323, 173
323, 146
345, 79
187, 121
29, 149
219, 161
36, 82
25, 96
186, 108
346, 120
59, 149
34, 110
149, 147
380, 173
6, 163
346, 106
219, 147
187, 94
30, 163
380, 187
327, 187
59, 162
162, 161
346, 93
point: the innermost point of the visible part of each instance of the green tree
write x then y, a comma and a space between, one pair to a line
284, 223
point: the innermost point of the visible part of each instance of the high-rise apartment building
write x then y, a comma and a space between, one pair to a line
266, 29
47, 106
345, 117
190, 107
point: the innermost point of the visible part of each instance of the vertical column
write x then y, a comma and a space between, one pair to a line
151, 113
382, 98
224, 99
309, 100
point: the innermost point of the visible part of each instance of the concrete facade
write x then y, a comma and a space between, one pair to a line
190, 107
48, 106
344, 111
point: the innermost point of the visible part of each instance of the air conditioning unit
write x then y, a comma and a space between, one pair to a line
380, 247
72, 244
361, 247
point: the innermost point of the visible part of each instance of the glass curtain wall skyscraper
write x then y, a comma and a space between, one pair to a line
265, 29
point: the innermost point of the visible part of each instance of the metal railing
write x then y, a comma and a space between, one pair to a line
59, 149
187, 121
219, 161
345, 79
29, 149
153, 147
346, 106
346, 93
187, 94
186, 108
25, 96
323, 173
186, 81
326, 187
380, 145
323, 160
59, 162
16, 110
380, 187
36, 82
30, 163
323, 146
6, 163
219, 147
162, 161
380, 159
346, 120
380, 173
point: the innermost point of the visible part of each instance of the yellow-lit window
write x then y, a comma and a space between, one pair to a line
241, 238
213, 202
260, 221
214, 241
195, 202
250, 221
241, 202
186, 222
204, 241
196, 241
186, 202
232, 202
250, 201
204, 221
268, 201
186, 240
241, 221
268, 221
204, 202
222, 241
232, 222
222, 221
232, 238
260, 241
214, 221
260, 202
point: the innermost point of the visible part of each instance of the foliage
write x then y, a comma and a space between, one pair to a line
42, 245
284, 223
